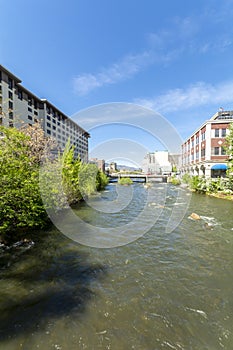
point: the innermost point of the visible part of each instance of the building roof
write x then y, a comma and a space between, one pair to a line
219, 117
3, 69
18, 82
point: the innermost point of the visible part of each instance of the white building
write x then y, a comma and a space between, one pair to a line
19, 106
156, 163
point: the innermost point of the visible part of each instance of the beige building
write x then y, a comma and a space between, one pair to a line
203, 152
19, 106
99, 162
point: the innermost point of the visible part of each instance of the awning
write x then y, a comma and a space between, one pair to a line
219, 167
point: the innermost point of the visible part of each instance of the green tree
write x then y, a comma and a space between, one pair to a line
229, 151
21, 205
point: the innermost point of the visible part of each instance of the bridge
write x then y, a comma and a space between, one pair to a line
138, 177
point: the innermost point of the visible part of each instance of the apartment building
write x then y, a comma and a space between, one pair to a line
203, 152
19, 106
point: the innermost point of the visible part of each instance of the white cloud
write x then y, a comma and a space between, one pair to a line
196, 95
124, 69
184, 35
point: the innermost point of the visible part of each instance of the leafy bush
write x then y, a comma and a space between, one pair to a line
186, 178
174, 180
21, 204
125, 181
28, 188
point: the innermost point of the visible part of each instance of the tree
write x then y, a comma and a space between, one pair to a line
40, 146
21, 205
229, 151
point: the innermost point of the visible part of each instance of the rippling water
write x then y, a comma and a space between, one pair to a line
162, 291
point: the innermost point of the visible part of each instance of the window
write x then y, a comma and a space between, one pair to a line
216, 150
224, 132
20, 94
11, 124
11, 116
35, 112
203, 152
203, 136
223, 151
35, 104
54, 121
216, 132
29, 109
29, 101
10, 95
193, 143
48, 125
197, 140
54, 127
10, 105
29, 117
48, 117
10, 83
48, 132
197, 155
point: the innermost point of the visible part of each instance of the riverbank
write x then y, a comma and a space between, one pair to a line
221, 195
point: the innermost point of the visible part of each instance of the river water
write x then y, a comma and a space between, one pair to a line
165, 290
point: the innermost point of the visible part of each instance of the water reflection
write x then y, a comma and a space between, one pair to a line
49, 282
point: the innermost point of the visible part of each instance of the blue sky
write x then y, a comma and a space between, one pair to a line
174, 57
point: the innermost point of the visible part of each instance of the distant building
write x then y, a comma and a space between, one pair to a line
113, 166
99, 162
19, 106
156, 163
175, 160
203, 152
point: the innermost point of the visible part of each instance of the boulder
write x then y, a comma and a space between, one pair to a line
195, 216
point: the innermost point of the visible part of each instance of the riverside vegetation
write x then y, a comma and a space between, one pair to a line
24, 182
125, 181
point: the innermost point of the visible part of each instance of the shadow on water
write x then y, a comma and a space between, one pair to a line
50, 281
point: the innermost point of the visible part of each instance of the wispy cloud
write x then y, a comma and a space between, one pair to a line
122, 70
195, 95
184, 35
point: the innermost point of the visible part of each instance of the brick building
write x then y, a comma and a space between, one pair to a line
203, 152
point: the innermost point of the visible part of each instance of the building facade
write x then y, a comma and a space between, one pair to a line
99, 162
156, 163
19, 106
203, 153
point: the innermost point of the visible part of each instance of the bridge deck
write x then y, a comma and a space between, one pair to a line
135, 177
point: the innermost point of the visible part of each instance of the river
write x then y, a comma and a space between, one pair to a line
165, 290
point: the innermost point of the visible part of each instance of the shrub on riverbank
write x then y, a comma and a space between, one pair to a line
125, 181
174, 180
20, 204
223, 186
24, 182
